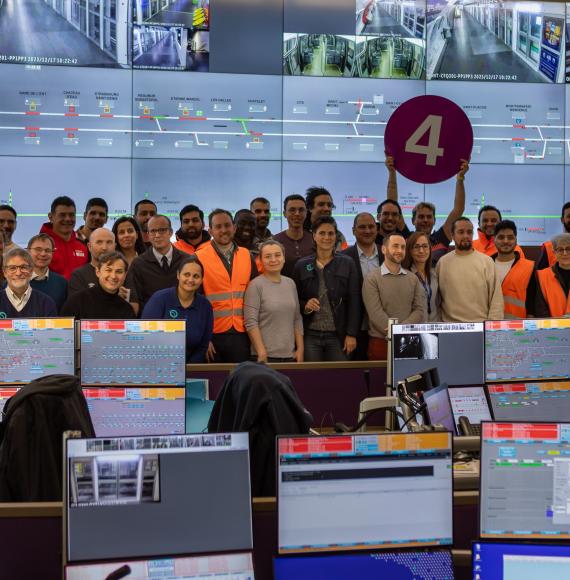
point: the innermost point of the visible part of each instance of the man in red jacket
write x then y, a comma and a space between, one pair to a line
69, 252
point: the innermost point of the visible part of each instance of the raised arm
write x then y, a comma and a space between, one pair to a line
392, 188
459, 200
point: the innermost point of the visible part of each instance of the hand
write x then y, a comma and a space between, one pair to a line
210, 353
299, 355
349, 344
313, 305
262, 356
124, 293
390, 164
463, 168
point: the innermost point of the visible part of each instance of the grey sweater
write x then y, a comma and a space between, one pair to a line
387, 296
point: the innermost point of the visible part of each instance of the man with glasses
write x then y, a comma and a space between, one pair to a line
18, 299
547, 256
553, 295
8, 221
41, 249
296, 240
320, 203
156, 268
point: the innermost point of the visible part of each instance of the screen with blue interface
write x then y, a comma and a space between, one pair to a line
395, 566
525, 481
455, 349
219, 567
149, 496
133, 352
548, 401
364, 492
120, 412
31, 348
497, 561
527, 349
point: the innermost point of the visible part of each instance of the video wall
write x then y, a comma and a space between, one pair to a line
215, 102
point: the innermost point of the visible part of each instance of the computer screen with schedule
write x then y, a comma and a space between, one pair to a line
133, 352
31, 348
364, 492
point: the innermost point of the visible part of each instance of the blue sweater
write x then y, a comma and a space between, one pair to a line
39, 305
55, 287
164, 304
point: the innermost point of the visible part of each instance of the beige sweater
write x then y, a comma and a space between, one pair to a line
469, 288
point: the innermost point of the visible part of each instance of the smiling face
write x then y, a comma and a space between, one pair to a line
424, 220
63, 220
365, 230
262, 213
394, 250
420, 251
245, 230
505, 241
323, 205
488, 220
42, 253
190, 277
18, 273
295, 213
388, 217
325, 237
111, 275
7, 224
272, 258
222, 229
126, 236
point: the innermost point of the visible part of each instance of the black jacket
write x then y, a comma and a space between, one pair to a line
343, 289
352, 252
31, 452
263, 402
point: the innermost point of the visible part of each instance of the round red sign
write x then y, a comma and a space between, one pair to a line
428, 136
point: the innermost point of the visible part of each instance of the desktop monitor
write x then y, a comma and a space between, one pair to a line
498, 561
434, 565
31, 348
152, 496
548, 401
120, 411
526, 350
469, 402
525, 481
133, 352
438, 408
456, 350
238, 566
364, 492
5, 394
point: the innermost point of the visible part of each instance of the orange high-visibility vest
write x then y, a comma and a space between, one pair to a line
514, 288
225, 295
189, 248
549, 249
486, 245
558, 304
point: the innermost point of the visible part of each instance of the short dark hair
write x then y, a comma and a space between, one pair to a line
506, 225
41, 237
260, 200
189, 208
216, 212
488, 208
191, 259
5, 207
139, 244
139, 203
564, 208
323, 220
62, 200
386, 201
241, 212
110, 258
293, 197
386, 239
161, 215
422, 205
462, 218
97, 201
314, 192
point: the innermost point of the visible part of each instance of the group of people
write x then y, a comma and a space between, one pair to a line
300, 295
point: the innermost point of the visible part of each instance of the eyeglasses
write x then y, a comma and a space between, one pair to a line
24, 268
420, 247
562, 250
158, 231
41, 250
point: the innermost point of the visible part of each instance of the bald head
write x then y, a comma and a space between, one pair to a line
100, 242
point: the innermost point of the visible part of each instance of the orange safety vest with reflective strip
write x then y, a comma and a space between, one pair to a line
189, 248
550, 253
558, 304
225, 295
514, 288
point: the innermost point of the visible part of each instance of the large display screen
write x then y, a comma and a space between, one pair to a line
156, 496
525, 481
94, 95
364, 492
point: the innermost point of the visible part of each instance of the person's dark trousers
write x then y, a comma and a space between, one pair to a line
361, 350
323, 346
231, 347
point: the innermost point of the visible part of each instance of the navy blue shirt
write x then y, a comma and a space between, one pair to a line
199, 316
38, 306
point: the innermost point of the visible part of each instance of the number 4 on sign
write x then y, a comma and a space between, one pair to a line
432, 151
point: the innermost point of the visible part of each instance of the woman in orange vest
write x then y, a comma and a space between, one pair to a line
553, 296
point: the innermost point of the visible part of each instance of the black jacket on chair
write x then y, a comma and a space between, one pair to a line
263, 402
31, 451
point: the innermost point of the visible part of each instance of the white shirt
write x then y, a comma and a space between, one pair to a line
45, 276
17, 302
168, 255
384, 271
368, 263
